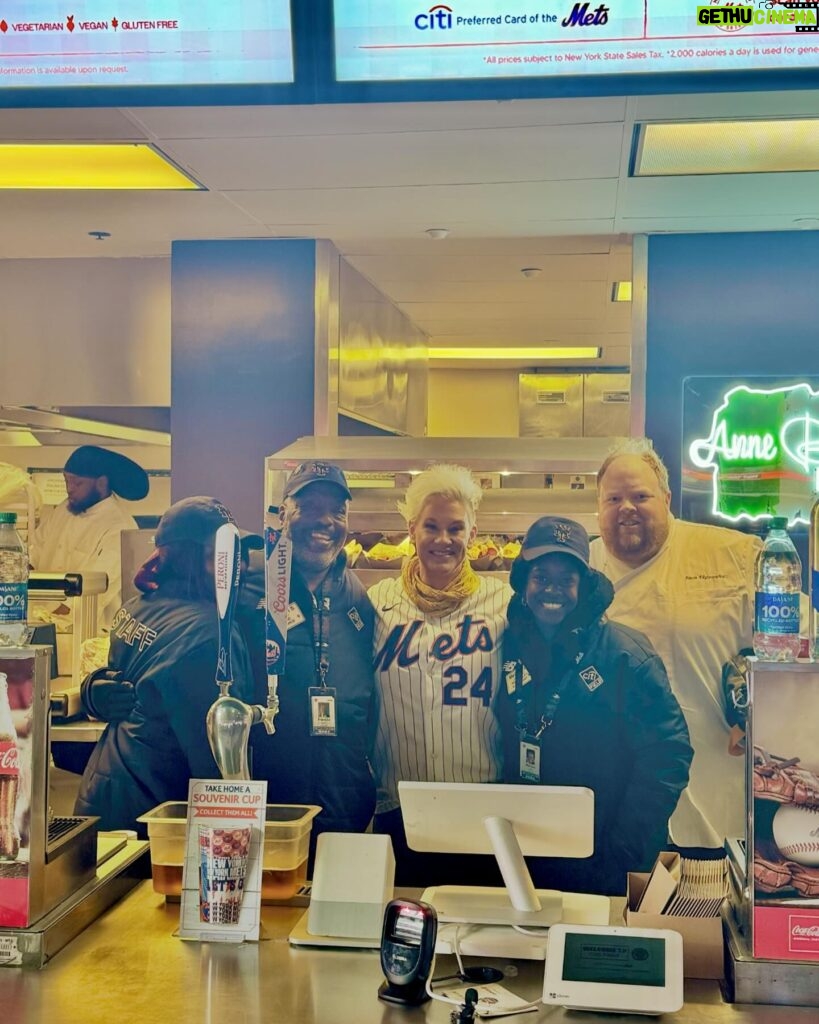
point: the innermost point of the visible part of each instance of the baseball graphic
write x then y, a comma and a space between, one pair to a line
796, 833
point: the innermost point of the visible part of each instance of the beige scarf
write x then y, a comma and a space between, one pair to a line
438, 602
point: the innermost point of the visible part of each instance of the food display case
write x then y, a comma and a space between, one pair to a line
523, 479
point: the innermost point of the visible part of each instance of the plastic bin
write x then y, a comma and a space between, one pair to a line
284, 858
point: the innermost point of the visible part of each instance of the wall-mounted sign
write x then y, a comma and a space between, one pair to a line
760, 454
412, 40
144, 42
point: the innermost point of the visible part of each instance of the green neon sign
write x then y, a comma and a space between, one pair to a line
762, 452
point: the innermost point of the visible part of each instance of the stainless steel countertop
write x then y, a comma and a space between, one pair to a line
128, 967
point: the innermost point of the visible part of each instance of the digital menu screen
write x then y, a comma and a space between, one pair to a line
481, 39
144, 43
613, 959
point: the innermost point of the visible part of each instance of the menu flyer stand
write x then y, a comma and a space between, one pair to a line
222, 873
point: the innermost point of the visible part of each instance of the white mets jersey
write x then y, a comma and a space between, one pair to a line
437, 678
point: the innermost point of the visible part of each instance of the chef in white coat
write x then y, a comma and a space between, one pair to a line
690, 588
82, 534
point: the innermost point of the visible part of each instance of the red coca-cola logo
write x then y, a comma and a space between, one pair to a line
9, 761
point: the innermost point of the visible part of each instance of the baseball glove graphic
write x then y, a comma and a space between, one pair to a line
780, 780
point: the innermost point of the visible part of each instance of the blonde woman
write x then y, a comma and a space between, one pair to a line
437, 657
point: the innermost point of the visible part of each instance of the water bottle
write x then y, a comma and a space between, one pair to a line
813, 582
778, 585
13, 583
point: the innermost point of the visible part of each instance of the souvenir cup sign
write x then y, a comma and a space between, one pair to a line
221, 882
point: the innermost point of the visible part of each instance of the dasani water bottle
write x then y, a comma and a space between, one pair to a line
13, 583
778, 585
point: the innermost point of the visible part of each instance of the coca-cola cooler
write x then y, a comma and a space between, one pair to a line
43, 859
774, 924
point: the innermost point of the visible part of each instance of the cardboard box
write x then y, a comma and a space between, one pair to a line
703, 946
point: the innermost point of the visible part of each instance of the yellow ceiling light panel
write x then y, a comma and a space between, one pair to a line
88, 166
570, 352
727, 147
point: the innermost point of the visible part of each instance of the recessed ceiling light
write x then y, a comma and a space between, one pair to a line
555, 352
727, 147
531, 271
437, 232
51, 165
807, 223
621, 291
100, 235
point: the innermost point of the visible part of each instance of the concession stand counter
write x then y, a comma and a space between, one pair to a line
129, 967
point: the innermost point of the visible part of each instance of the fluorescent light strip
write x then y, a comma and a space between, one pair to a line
89, 166
576, 352
727, 147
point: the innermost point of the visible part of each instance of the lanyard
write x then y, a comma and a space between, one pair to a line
321, 632
552, 704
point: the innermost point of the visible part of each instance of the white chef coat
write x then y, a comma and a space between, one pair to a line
87, 542
695, 602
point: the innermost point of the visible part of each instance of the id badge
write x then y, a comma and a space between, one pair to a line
322, 710
529, 761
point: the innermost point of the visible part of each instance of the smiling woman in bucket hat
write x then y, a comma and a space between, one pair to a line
586, 702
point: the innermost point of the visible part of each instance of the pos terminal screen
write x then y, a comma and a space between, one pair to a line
613, 959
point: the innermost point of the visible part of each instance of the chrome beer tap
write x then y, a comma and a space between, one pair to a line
229, 719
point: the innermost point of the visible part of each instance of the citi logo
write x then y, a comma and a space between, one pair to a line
438, 16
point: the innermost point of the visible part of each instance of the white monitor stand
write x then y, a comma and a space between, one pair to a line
507, 821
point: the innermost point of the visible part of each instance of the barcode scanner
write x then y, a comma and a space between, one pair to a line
407, 951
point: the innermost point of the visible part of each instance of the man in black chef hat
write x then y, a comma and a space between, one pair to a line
82, 534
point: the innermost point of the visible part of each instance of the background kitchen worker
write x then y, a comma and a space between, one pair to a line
82, 534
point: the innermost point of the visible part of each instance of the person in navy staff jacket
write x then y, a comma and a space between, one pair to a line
319, 753
586, 702
161, 669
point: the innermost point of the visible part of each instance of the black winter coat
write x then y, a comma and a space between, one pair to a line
167, 646
617, 729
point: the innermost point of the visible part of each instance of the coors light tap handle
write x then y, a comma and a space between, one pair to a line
229, 719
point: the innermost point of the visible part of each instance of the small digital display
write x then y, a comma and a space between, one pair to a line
408, 926
614, 960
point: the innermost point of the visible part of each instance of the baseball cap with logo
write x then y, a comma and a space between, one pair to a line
550, 535
198, 519
314, 472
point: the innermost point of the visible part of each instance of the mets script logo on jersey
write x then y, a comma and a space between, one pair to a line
592, 678
471, 635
